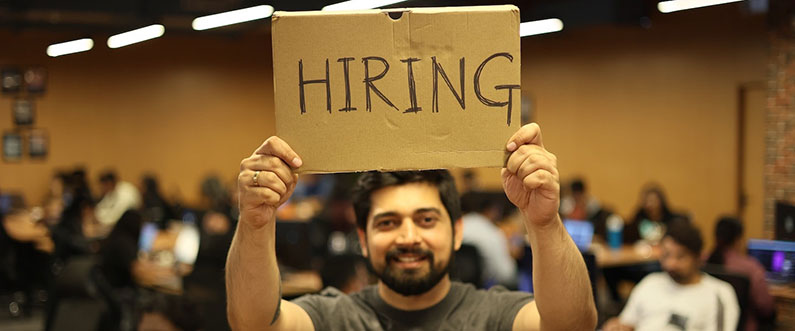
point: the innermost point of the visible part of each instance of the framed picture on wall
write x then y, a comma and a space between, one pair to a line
23, 111
12, 146
35, 80
11, 80
38, 144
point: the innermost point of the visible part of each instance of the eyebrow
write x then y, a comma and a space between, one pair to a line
418, 211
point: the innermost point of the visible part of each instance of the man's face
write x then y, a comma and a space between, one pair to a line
681, 264
409, 239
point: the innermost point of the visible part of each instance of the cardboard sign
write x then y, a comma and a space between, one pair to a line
422, 88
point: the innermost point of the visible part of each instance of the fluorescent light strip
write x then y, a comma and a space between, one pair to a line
136, 36
677, 5
539, 27
232, 17
360, 4
69, 47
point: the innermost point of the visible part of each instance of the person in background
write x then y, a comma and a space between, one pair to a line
25, 248
481, 213
155, 208
117, 198
347, 273
578, 204
682, 297
728, 252
651, 218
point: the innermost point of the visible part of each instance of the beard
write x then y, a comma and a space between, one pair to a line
410, 282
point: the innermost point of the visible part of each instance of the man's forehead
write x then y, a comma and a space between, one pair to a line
406, 199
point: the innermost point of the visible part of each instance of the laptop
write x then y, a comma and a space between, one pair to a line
581, 232
778, 258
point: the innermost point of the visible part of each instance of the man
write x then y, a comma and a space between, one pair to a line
480, 231
117, 198
409, 225
682, 297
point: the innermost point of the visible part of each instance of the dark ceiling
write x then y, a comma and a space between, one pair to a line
118, 15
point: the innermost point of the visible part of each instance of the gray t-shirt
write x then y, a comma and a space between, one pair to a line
464, 308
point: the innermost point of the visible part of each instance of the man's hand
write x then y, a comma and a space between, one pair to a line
530, 178
266, 181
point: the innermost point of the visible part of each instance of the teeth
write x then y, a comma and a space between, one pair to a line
408, 259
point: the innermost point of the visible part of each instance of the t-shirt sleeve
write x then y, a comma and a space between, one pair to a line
317, 306
632, 311
732, 310
504, 305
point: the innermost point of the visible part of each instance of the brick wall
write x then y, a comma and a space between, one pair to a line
780, 122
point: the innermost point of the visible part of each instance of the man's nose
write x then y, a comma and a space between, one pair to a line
409, 234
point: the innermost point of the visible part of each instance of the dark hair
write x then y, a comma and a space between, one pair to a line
577, 186
372, 181
667, 215
108, 176
727, 232
685, 234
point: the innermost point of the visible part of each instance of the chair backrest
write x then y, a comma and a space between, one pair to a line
741, 284
468, 266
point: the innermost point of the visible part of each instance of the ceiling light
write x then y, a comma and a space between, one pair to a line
539, 27
232, 17
69, 47
677, 5
136, 36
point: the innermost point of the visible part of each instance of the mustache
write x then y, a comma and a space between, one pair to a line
393, 253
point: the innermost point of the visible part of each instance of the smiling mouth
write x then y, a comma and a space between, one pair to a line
409, 261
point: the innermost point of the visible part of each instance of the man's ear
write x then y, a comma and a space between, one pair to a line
362, 240
458, 233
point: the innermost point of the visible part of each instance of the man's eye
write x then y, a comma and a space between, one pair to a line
385, 223
427, 220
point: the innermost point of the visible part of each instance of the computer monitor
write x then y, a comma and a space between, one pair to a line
581, 232
785, 221
778, 258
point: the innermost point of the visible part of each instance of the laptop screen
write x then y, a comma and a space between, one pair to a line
778, 258
581, 232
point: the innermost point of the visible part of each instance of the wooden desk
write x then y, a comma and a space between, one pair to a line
784, 295
627, 255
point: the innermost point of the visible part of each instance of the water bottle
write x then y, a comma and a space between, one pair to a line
615, 227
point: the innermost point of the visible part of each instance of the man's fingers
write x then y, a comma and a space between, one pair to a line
260, 162
277, 147
539, 179
528, 134
535, 162
266, 195
264, 179
534, 152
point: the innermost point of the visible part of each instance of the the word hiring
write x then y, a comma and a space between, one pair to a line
438, 71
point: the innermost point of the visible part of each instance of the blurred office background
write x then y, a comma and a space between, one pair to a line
699, 103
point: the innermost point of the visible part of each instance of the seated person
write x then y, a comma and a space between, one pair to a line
483, 210
409, 224
578, 204
651, 218
682, 297
728, 252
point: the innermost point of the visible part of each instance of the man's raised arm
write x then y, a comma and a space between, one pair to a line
253, 285
563, 297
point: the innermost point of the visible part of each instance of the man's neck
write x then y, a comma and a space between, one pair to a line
415, 302
692, 280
